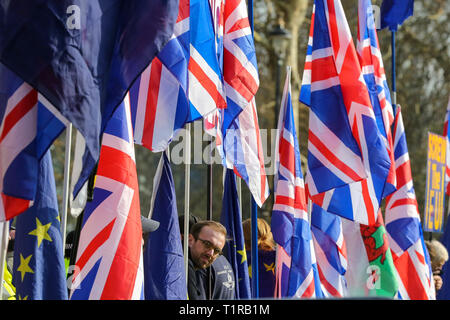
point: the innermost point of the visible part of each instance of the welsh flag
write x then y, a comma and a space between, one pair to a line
371, 271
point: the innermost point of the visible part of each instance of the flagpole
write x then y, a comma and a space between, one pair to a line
187, 178
209, 209
66, 184
254, 207
394, 90
3, 252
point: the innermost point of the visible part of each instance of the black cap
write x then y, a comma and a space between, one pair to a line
192, 220
149, 225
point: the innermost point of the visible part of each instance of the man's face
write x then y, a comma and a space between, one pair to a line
206, 248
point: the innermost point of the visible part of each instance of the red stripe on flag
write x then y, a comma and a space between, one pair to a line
403, 173
327, 153
237, 76
20, 110
405, 201
126, 260
288, 201
328, 286
368, 202
98, 240
420, 257
323, 68
410, 279
309, 292
287, 155
239, 24
116, 165
152, 102
207, 83
14, 206
183, 10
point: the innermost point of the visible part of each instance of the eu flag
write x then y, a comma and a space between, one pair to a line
164, 274
394, 13
38, 269
234, 248
83, 55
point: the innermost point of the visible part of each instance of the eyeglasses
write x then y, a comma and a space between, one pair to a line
208, 245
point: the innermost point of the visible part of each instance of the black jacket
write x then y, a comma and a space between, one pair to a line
223, 281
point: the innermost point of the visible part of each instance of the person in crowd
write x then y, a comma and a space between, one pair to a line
438, 256
206, 241
8, 289
266, 256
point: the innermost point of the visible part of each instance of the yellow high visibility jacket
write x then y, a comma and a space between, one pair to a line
9, 291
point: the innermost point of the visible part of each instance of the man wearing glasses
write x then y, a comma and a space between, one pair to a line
206, 241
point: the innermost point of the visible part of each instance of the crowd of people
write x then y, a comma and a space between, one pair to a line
210, 275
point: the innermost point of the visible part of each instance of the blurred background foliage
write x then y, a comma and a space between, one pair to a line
422, 78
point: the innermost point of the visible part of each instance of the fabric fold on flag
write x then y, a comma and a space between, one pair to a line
331, 252
164, 273
404, 227
371, 271
109, 262
85, 56
348, 162
290, 225
446, 135
236, 128
371, 61
28, 126
234, 248
394, 13
38, 269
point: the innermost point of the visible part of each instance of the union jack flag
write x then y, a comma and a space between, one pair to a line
404, 227
109, 263
343, 133
290, 226
369, 56
159, 105
236, 128
206, 90
183, 82
305, 89
331, 252
446, 135
28, 126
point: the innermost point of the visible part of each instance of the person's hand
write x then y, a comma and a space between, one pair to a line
437, 282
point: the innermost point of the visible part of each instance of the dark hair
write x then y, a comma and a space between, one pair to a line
192, 220
196, 228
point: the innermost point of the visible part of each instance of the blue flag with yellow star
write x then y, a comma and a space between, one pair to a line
39, 272
234, 248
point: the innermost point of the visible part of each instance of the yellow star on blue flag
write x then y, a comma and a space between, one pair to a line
41, 232
39, 269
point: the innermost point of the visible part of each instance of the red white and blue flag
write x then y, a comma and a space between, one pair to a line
404, 227
372, 67
236, 128
331, 252
28, 126
347, 160
305, 89
290, 225
109, 263
446, 135
183, 83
